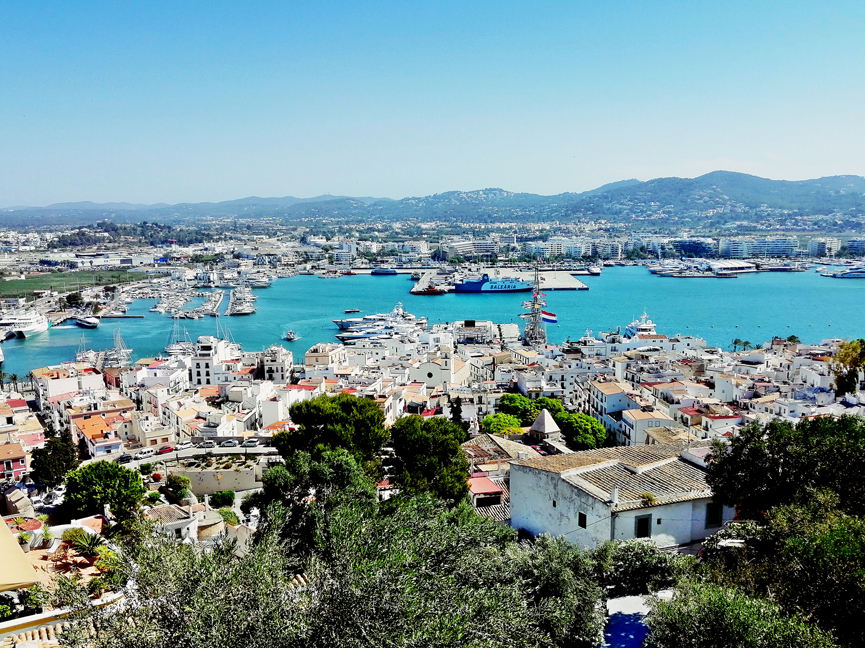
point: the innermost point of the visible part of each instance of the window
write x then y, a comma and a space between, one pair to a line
554, 503
659, 520
714, 515
581, 520
643, 526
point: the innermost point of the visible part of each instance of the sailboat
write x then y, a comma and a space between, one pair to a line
179, 341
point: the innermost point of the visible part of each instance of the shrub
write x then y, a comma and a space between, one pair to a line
637, 567
153, 497
23, 538
229, 516
178, 483
222, 499
156, 477
706, 615
72, 535
146, 468
88, 545
5, 612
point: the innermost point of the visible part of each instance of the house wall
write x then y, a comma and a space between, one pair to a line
532, 495
207, 482
680, 523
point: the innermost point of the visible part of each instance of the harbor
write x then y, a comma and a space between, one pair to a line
776, 303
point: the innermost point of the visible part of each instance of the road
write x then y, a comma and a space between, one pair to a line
186, 454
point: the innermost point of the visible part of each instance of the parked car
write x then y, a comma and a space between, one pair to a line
165, 449
60, 490
207, 444
124, 458
144, 454
37, 502
230, 443
184, 445
249, 443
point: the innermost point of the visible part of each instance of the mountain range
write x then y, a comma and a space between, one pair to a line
711, 200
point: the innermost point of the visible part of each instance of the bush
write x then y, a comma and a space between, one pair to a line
156, 477
73, 535
222, 499
709, 616
229, 516
146, 468
23, 538
153, 497
88, 545
637, 567
178, 483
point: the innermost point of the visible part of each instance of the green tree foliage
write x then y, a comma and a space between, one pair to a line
51, 463
91, 487
519, 406
705, 615
457, 411
415, 575
222, 498
430, 458
847, 364
300, 496
344, 421
775, 464
809, 558
637, 567
581, 432
498, 423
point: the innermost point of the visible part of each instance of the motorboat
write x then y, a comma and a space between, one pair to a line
85, 321
290, 336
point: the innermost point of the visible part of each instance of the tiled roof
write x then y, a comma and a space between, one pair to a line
10, 451
637, 471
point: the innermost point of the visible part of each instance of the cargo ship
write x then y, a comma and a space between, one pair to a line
493, 284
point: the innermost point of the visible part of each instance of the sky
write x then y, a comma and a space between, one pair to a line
149, 102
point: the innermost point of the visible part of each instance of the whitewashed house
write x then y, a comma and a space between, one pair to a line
651, 491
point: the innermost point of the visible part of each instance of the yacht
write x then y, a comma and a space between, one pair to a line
642, 326
290, 336
85, 321
856, 272
23, 323
396, 315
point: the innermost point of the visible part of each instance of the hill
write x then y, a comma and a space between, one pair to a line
714, 200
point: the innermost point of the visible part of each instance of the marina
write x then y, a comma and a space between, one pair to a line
754, 307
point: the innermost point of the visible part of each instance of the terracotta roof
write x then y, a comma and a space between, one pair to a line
10, 451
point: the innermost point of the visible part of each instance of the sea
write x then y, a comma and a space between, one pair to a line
753, 307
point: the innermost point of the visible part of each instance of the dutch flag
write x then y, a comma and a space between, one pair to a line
549, 318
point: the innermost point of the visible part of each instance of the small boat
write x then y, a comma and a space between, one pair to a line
431, 290
87, 322
351, 310
347, 273
290, 336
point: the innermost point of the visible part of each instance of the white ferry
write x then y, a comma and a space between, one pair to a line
23, 323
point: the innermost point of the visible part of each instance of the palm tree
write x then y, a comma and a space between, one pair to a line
747, 345
736, 344
794, 340
13, 378
2, 378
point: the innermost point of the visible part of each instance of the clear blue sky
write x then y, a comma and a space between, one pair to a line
194, 101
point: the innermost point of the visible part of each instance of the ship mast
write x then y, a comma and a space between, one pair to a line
535, 335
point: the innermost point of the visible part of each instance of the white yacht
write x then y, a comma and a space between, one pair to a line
642, 326
857, 272
23, 323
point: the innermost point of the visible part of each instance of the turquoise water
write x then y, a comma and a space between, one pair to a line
753, 307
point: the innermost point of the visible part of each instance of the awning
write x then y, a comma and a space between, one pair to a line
17, 572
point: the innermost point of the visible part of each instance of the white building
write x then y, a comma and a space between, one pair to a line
658, 492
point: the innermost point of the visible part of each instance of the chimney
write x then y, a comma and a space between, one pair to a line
614, 495
521, 455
